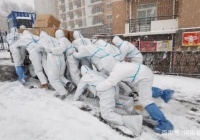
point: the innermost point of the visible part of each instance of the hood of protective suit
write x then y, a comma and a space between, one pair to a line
77, 35
25, 32
43, 34
117, 41
84, 70
59, 34
100, 43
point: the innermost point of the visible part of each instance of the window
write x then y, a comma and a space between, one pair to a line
93, 1
97, 20
146, 10
109, 5
96, 10
109, 17
145, 14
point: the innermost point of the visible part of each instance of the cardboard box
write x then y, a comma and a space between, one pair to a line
66, 33
32, 30
21, 30
49, 31
46, 21
70, 36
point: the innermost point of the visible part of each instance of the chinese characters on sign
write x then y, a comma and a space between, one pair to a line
152, 46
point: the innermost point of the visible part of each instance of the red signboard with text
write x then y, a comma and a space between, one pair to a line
148, 46
190, 39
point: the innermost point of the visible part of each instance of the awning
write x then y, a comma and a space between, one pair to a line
151, 33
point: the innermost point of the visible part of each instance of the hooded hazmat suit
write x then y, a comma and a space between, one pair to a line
92, 78
142, 77
97, 56
55, 62
128, 50
79, 42
109, 48
18, 53
30, 42
72, 63
115, 52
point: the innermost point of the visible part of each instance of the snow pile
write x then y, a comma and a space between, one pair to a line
35, 114
184, 87
5, 58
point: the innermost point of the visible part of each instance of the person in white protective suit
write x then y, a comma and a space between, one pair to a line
128, 50
115, 52
90, 79
18, 54
109, 48
140, 76
30, 42
97, 56
80, 41
55, 63
72, 63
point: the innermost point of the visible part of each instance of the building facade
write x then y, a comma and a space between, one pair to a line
46, 7
142, 20
92, 16
154, 21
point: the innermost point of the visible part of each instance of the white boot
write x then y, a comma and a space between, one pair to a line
134, 123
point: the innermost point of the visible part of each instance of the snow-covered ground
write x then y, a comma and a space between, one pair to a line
35, 114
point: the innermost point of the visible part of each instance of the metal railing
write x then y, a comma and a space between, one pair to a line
185, 63
144, 24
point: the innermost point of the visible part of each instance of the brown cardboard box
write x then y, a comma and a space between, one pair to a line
32, 30
46, 21
50, 31
70, 36
66, 33
21, 30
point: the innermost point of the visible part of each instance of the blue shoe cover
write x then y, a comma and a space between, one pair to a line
163, 127
163, 124
22, 81
156, 92
167, 95
20, 72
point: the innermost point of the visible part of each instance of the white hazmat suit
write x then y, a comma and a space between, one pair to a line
18, 54
72, 63
55, 63
136, 75
80, 41
141, 76
115, 52
128, 50
97, 56
109, 48
107, 100
30, 42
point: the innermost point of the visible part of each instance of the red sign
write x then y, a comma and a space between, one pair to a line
148, 46
190, 39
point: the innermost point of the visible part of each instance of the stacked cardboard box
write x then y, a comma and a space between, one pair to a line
32, 30
46, 21
48, 24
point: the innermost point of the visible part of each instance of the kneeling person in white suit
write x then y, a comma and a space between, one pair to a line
141, 77
90, 79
